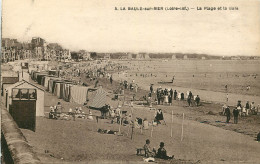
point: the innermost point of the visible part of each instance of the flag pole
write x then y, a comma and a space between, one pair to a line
182, 127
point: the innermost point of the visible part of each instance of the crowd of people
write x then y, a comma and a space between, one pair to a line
239, 110
158, 96
58, 112
166, 96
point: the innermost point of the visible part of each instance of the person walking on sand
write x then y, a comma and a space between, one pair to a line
235, 113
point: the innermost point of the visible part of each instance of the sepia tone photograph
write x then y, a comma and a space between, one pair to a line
130, 81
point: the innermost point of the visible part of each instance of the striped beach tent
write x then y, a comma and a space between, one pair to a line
98, 99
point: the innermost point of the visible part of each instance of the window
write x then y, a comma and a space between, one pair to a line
32, 94
24, 94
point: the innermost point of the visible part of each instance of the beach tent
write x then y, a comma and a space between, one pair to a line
98, 99
54, 72
51, 83
78, 94
45, 80
59, 88
26, 85
33, 75
66, 91
40, 77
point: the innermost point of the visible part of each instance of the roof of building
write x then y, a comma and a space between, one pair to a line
24, 81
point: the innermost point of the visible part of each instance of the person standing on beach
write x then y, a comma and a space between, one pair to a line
197, 100
187, 94
136, 88
182, 96
179, 96
111, 79
190, 95
189, 100
227, 112
170, 100
151, 88
175, 94
247, 107
235, 113
171, 92
227, 97
166, 99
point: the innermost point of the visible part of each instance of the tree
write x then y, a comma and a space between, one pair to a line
93, 55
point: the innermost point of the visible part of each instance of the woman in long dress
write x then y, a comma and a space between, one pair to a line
179, 95
166, 100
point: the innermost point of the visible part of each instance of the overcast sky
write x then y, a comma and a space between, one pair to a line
94, 25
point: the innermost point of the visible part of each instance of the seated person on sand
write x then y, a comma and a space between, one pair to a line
127, 119
70, 112
253, 111
147, 149
159, 116
81, 113
118, 114
80, 110
90, 117
112, 113
145, 124
59, 108
76, 110
51, 114
162, 154
136, 124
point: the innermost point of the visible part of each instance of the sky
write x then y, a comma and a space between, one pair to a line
95, 25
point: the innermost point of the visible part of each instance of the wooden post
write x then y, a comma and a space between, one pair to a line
142, 127
152, 132
132, 132
120, 120
128, 130
97, 118
171, 123
182, 127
